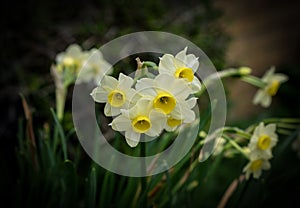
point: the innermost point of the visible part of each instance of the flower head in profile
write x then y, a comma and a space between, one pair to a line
140, 119
273, 82
176, 118
167, 95
263, 140
116, 94
94, 67
72, 59
182, 66
255, 167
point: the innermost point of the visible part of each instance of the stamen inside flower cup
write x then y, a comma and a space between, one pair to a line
273, 88
186, 73
165, 102
141, 124
173, 122
116, 98
264, 142
256, 165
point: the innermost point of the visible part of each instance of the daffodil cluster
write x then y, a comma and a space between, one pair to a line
70, 62
91, 65
150, 105
260, 148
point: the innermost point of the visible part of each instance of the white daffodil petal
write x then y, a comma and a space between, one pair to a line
114, 111
109, 83
268, 74
181, 55
270, 128
145, 87
180, 89
195, 85
107, 109
158, 121
132, 138
192, 62
258, 96
165, 82
99, 95
178, 63
192, 102
121, 123
125, 82
266, 101
166, 64
280, 77
74, 50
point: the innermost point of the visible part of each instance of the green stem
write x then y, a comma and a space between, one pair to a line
235, 145
219, 75
143, 179
254, 81
61, 93
237, 131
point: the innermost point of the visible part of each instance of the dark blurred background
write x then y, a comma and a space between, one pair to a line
256, 33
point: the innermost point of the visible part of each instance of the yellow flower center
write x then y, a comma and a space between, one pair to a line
164, 101
273, 88
264, 142
116, 98
186, 73
69, 62
256, 165
141, 124
173, 122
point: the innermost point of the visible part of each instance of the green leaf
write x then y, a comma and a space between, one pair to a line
61, 133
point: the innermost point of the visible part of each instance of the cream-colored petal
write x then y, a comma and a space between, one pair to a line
181, 55
145, 87
107, 109
109, 83
270, 129
260, 94
266, 101
191, 102
195, 85
269, 74
257, 173
280, 77
125, 82
166, 64
192, 62
121, 123
178, 63
99, 95
132, 138
158, 122
115, 111
266, 165
180, 89
74, 51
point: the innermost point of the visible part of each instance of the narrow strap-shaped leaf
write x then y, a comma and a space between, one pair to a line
61, 133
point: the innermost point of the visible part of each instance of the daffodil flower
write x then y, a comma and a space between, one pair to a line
167, 94
263, 140
117, 94
176, 118
71, 59
255, 167
94, 67
140, 119
273, 81
182, 66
